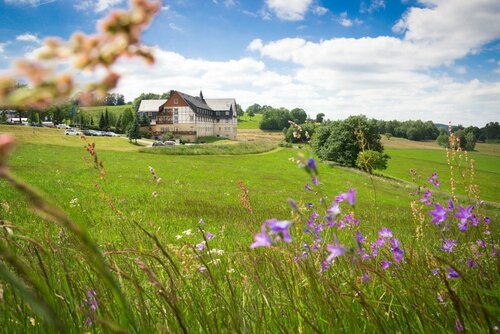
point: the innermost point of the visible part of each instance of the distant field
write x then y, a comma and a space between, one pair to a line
95, 111
56, 137
245, 122
427, 158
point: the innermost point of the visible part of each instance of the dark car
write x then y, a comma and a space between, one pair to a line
158, 143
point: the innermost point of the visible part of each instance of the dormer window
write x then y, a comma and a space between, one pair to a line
176, 101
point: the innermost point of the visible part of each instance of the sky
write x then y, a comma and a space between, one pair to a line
433, 60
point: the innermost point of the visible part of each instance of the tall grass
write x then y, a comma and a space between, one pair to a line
56, 277
203, 149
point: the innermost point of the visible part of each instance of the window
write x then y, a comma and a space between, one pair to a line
227, 113
176, 101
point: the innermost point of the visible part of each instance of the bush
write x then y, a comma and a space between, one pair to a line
167, 136
443, 140
370, 160
302, 135
470, 141
275, 119
341, 141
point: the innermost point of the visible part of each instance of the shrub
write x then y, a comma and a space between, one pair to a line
167, 136
275, 119
443, 140
370, 160
299, 133
339, 141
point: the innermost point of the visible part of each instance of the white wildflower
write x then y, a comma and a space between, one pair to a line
73, 203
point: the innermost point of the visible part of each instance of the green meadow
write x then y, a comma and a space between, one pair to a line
246, 122
137, 265
96, 111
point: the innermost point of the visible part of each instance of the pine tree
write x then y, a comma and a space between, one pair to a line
106, 120
118, 125
134, 131
102, 123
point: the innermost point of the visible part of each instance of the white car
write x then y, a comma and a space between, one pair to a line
72, 132
63, 126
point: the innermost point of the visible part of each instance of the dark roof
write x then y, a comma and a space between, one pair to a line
194, 102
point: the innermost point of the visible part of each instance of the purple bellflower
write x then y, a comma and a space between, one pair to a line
335, 250
452, 273
426, 199
464, 213
448, 245
385, 233
385, 264
262, 239
439, 214
280, 227
311, 165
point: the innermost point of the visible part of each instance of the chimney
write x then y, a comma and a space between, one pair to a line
201, 96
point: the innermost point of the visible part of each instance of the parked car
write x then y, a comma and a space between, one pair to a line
158, 143
71, 132
63, 126
88, 132
112, 134
168, 142
48, 124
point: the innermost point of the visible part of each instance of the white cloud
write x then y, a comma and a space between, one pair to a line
227, 3
27, 37
289, 10
372, 7
33, 3
2, 47
318, 10
173, 26
345, 21
99, 5
383, 77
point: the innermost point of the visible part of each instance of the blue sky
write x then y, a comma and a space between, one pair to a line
399, 59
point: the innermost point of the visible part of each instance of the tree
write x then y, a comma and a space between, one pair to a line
443, 139
144, 119
320, 117
110, 99
341, 141
369, 160
470, 141
120, 99
254, 109
106, 119
298, 115
239, 110
134, 131
127, 118
102, 123
250, 114
118, 125
275, 119
144, 96
302, 135
165, 96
